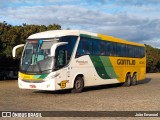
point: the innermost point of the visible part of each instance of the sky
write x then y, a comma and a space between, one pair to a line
133, 20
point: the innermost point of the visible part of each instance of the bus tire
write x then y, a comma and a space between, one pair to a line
134, 80
127, 82
78, 85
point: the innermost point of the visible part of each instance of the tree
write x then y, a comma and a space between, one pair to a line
153, 59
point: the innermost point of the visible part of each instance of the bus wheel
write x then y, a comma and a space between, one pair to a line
134, 80
127, 82
78, 85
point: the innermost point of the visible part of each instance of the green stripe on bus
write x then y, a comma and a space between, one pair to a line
40, 76
89, 36
43, 76
99, 67
108, 66
103, 67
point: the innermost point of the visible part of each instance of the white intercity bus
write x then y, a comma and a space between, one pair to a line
73, 59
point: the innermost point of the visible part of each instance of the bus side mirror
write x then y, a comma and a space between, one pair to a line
14, 50
54, 47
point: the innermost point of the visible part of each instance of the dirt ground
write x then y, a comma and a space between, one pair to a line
143, 97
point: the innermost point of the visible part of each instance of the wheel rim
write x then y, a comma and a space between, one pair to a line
129, 80
78, 85
134, 79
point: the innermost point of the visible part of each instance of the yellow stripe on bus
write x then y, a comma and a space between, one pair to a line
114, 39
29, 77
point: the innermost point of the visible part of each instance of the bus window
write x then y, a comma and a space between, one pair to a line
102, 47
61, 54
88, 46
107, 48
61, 61
84, 47
112, 49
142, 52
130, 51
70, 46
96, 47
123, 50
118, 49
127, 51
138, 52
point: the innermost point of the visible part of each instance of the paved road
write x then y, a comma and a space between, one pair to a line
143, 97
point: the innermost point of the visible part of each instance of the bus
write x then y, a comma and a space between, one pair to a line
74, 59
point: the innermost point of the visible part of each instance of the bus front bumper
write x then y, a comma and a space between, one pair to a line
45, 85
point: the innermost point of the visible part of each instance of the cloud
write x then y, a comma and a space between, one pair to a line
130, 22
153, 42
130, 2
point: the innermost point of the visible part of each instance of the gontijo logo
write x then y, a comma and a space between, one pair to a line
126, 62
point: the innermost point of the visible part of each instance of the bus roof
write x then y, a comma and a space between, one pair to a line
59, 33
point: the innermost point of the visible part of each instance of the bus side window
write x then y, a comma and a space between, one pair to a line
118, 49
60, 59
80, 51
112, 49
70, 46
61, 56
96, 47
127, 51
130, 50
123, 50
88, 44
102, 48
142, 52
107, 48
136, 51
84, 47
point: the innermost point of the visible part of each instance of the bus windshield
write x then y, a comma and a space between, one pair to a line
37, 56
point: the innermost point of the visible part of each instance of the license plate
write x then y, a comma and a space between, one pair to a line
32, 86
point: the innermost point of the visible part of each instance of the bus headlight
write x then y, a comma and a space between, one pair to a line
52, 76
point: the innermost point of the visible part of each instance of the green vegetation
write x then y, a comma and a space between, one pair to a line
153, 59
14, 35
